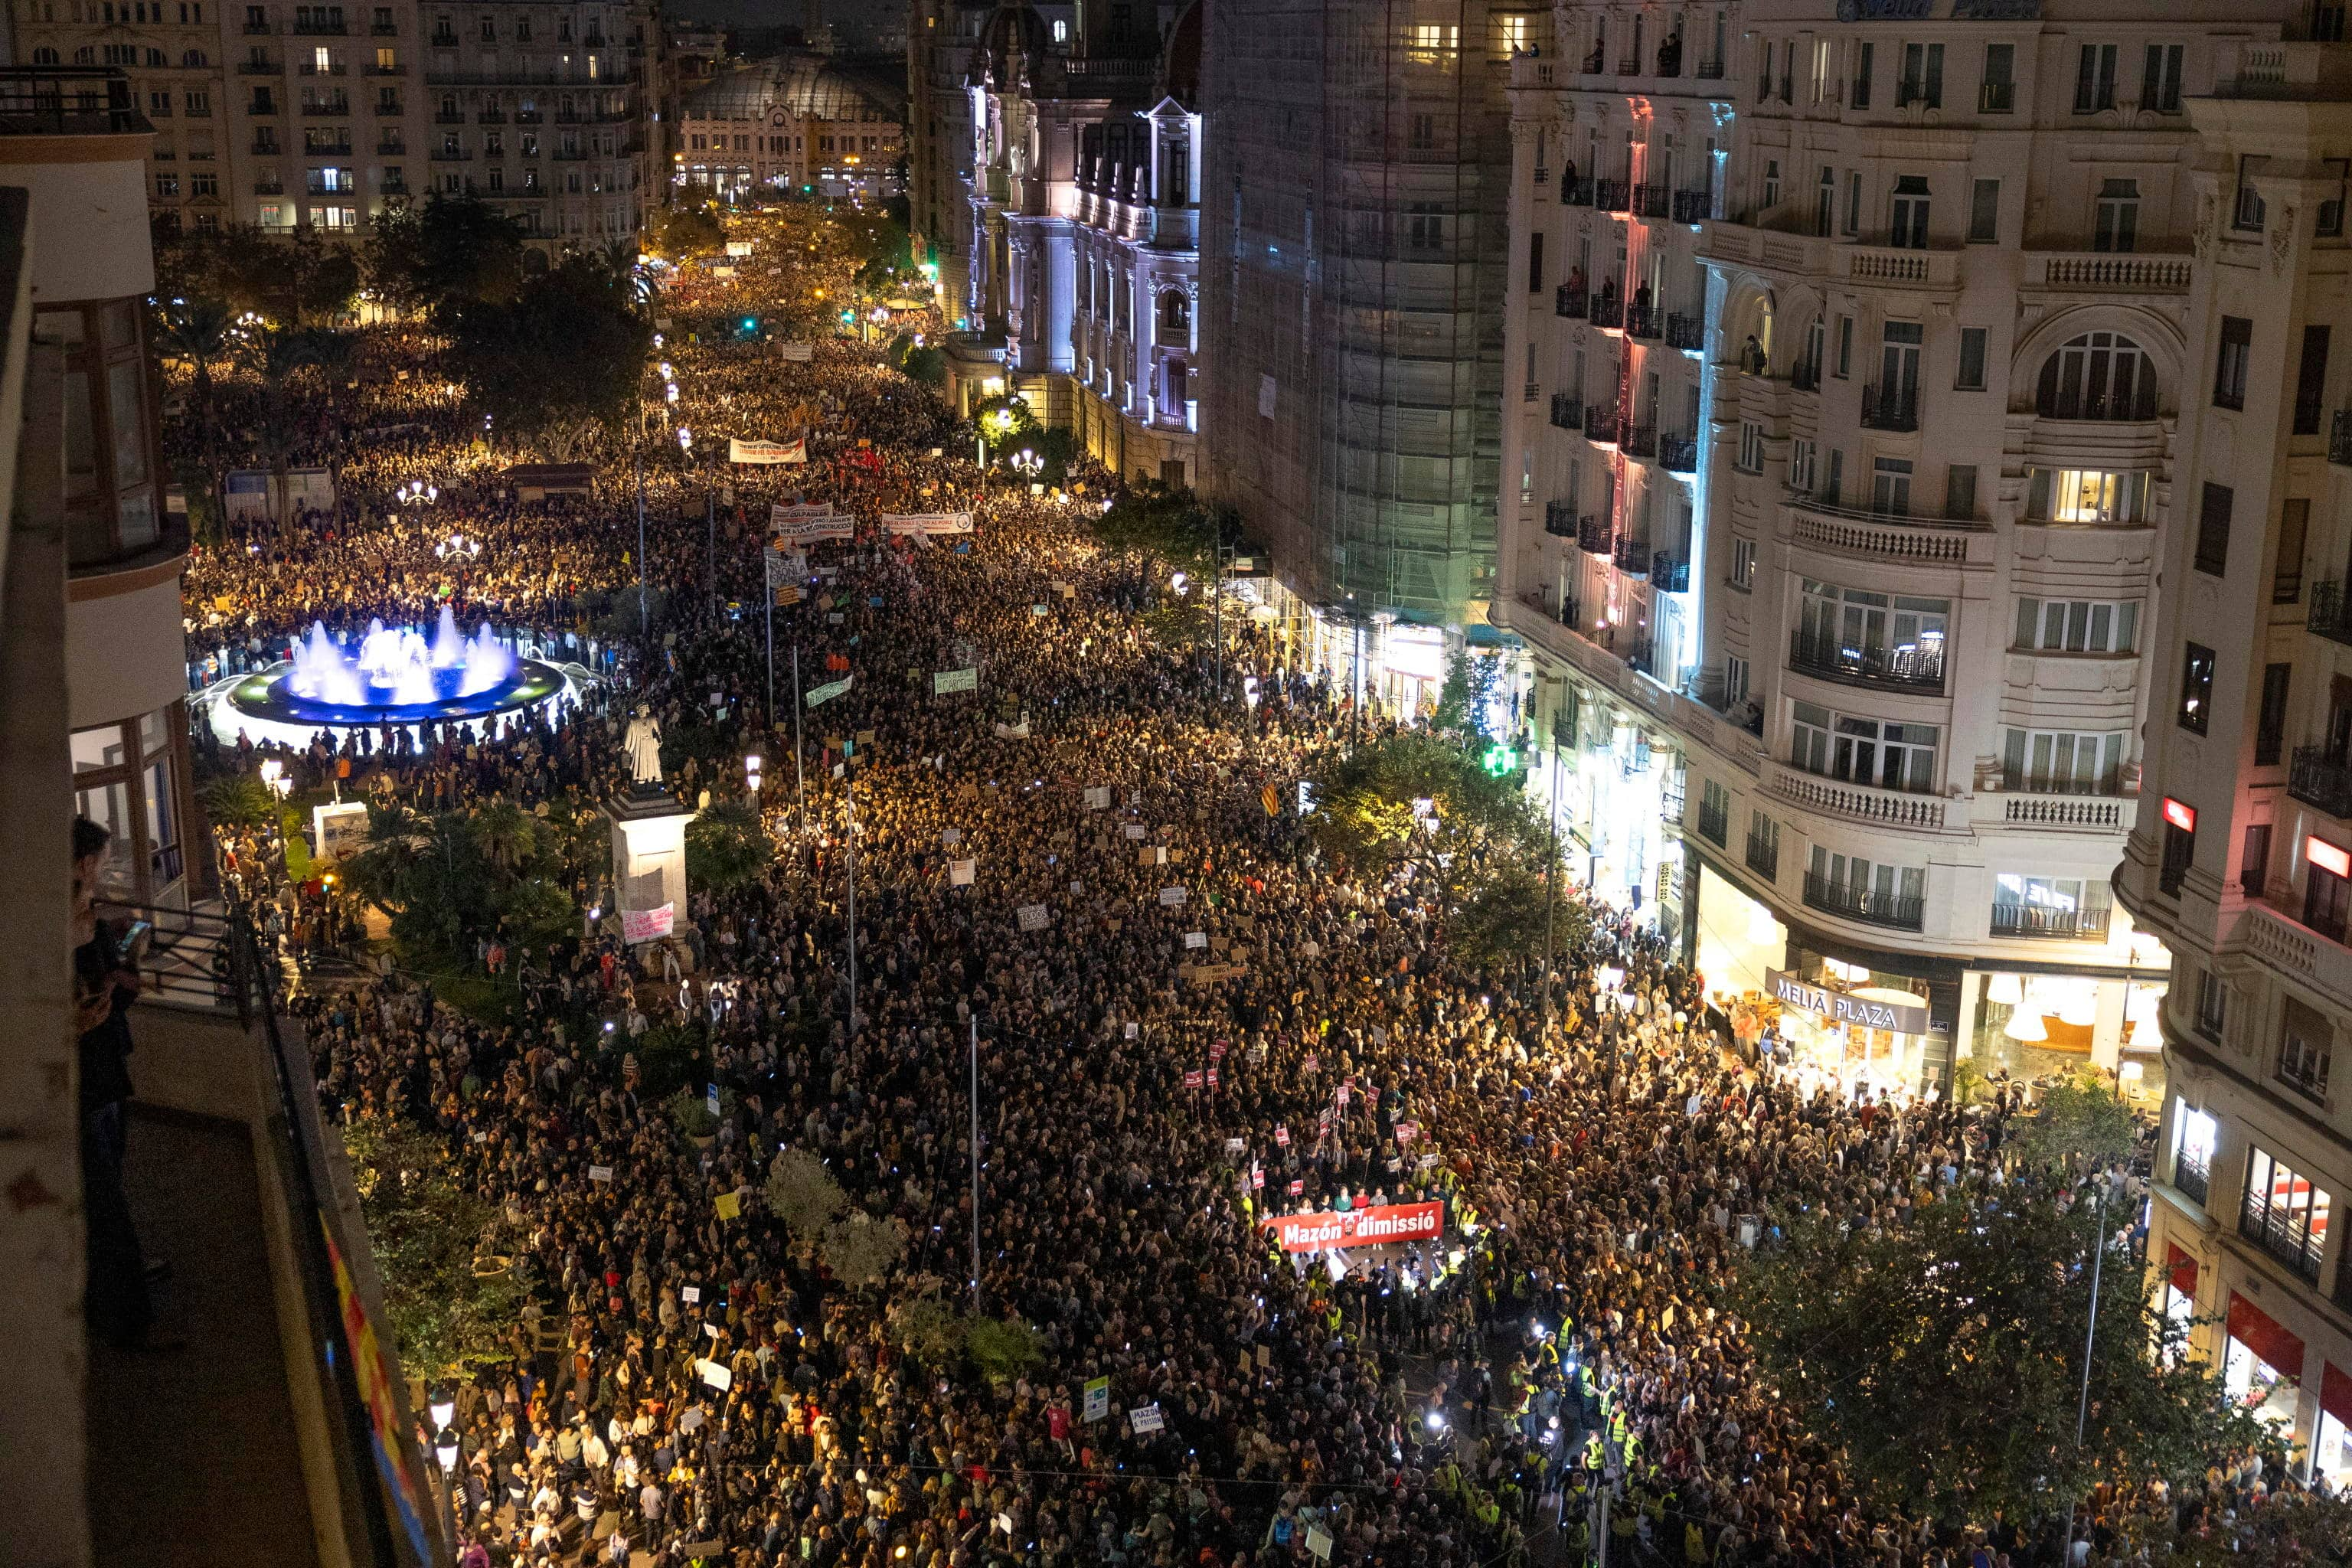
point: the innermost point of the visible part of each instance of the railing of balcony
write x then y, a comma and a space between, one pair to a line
2329, 616
1573, 191
1601, 421
2020, 919
1669, 572
1914, 667
1805, 376
1566, 413
1861, 904
1569, 302
2191, 1177
1652, 201
1693, 206
1686, 332
1638, 440
2319, 777
2339, 437
1644, 321
1632, 556
1763, 855
1560, 520
1593, 535
2270, 1229
1608, 313
1610, 195
1678, 453
1889, 409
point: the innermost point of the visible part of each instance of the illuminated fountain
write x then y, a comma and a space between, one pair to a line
396, 675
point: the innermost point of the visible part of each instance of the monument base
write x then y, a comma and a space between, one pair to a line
649, 851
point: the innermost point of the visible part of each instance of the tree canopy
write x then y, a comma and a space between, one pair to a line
1159, 523
447, 878
564, 356
1944, 1357
451, 252
427, 1226
292, 278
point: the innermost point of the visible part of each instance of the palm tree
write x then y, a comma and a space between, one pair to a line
200, 331
506, 835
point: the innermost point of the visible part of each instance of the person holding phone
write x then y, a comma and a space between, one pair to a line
106, 981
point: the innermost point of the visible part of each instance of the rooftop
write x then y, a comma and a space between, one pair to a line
68, 100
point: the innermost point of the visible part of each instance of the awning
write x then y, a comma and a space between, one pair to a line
2261, 1333
2181, 1270
2335, 1392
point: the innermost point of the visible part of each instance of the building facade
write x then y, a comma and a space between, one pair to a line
1935, 274
1082, 260
2241, 858
278, 115
941, 38
786, 126
1356, 223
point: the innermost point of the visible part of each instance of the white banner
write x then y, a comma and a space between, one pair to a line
1032, 917
738, 248
810, 530
791, 451
947, 681
933, 523
339, 829
818, 696
646, 925
961, 872
798, 352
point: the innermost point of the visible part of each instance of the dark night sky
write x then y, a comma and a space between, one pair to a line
853, 20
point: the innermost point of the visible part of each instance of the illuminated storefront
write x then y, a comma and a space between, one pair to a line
1613, 787
2261, 1364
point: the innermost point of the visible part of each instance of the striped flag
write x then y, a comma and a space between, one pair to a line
1270, 800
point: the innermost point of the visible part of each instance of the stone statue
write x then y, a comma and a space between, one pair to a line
643, 743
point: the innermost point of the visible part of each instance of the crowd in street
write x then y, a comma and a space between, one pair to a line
1084, 886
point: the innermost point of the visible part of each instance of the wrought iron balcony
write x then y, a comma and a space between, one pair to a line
1632, 557
1714, 822
1644, 321
1861, 904
1763, 855
1560, 520
1594, 534
1638, 440
1566, 413
2339, 437
1805, 376
2318, 777
2089, 924
2268, 1228
1573, 191
1601, 422
2192, 1179
1686, 332
1610, 195
1608, 313
2330, 615
1916, 666
1890, 409
1568, 301
1693, 206
1709, 70
1652, 201
1678, 453
1669, 572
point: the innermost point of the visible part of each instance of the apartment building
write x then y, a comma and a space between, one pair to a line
791, 125
278, 115
1082, 261
942, 35
1891, 719
2243, 860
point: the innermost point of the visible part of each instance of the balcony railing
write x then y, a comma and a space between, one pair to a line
1601, 422
1632, 557
1569, 302
1805, 376
1566, 413
1652, 201
1861, 904
1669, 572
1763, 855
1638, 440
1573, 191
1678, 453
1890, 409
1644, 321
1996, 98
1686, 332
1608, 313
2192, 1179
1916, 666
1610, 195
1709, 70
2318, 777
2268, 1229
1560, 520
1594, 534
2330, 617
2339, 437
1693, 206
1714, 824
2088, 925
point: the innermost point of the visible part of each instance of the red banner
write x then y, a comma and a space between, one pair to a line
1359, 1227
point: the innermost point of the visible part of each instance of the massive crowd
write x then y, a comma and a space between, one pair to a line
1184, 1020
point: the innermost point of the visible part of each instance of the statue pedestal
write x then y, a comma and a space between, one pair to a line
649, 853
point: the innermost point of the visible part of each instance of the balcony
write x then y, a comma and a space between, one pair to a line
326, 148
395, 187
1638, 440
2289, 1245
1594, 535
1678, 453
2339, 437
259, 67
1560, 520
1890, 410
2321, 779
1714, 824
1861, 904
1569, 302
1573, 191
332, 68
2330, 617
393, 147
265, 147
2191, 1178
396, 69
385, 29
1693, 206
268, 187
2107, 272
1652, 201
1763, 853
1709, 70
1601, 423
1566, 413
318, 29
449, 117
1859, 802
1912, 667
1639, 659
328, 108
452, 155
2039, 921
1632, 557
1669, 572
1687, 333
1644, 321
1610, 196
1608, 313
1631, 65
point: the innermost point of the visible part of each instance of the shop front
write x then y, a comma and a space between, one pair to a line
2038, 1025
1612, 787
2331, 1453
2261, 1364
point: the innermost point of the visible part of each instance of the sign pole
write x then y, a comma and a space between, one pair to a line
800, 788
849, 781
975, 1161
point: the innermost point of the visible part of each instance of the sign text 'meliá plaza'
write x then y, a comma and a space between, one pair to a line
1359, 1227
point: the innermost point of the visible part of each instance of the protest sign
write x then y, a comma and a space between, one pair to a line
792, 451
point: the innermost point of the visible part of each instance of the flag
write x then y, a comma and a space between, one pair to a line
1270, 800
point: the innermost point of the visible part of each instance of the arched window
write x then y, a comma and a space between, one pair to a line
45, 55
194, 60
1175, 316
83, 57
2099, 375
